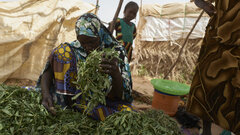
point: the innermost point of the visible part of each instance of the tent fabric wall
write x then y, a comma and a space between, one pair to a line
163, 29
30, 29
171, 10
156, 50
170, 22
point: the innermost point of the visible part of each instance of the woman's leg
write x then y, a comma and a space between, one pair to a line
206, 128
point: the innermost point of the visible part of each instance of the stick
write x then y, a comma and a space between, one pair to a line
96, 7
116, 16
178, 58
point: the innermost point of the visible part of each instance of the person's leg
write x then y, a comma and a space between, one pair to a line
206, 128
225, 132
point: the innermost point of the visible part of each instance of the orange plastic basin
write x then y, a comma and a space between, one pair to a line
165, 102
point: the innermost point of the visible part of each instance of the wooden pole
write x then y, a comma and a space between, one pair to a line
111, 28
181, 50
97, 5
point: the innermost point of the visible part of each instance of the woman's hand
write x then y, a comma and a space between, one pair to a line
110, 67
47, 102
209, 8
206, 6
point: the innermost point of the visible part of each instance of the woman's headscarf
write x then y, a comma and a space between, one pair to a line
90, 25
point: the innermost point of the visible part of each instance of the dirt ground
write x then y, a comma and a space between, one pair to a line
142, 85
142, 90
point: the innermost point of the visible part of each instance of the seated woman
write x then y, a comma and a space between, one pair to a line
55, 82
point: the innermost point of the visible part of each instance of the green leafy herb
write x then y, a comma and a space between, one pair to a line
22, 114
93, 83
151, 122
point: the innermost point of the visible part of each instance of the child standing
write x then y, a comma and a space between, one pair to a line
126, 30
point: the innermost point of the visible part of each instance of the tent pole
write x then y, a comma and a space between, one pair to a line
97, 6
111, 28
181, 50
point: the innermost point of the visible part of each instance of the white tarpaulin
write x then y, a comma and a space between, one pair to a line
170, 22
162, 29
30, 29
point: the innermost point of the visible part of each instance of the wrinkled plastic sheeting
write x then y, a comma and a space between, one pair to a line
171, 10
30, 29
163, 29
170, 22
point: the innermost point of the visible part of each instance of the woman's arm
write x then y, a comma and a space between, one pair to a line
206, 6
200, 3
47, 100
111, 68
121, 75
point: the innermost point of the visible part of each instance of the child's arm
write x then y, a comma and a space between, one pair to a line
117, 25
134, 32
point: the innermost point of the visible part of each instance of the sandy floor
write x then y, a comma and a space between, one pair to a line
142, 85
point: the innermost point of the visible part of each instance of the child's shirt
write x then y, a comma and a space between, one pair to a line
126, 34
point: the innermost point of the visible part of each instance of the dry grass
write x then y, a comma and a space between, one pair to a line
156, 58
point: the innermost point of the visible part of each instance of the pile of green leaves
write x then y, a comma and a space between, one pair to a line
91, 81
21, 113
151, 122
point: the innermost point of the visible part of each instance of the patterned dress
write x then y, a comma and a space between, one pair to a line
63, 60
215, 89
126, 34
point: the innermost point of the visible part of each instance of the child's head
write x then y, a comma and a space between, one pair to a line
130, 10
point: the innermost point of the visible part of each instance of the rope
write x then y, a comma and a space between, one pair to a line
184, 21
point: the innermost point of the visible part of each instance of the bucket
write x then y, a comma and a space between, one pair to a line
165, 102
167, 94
